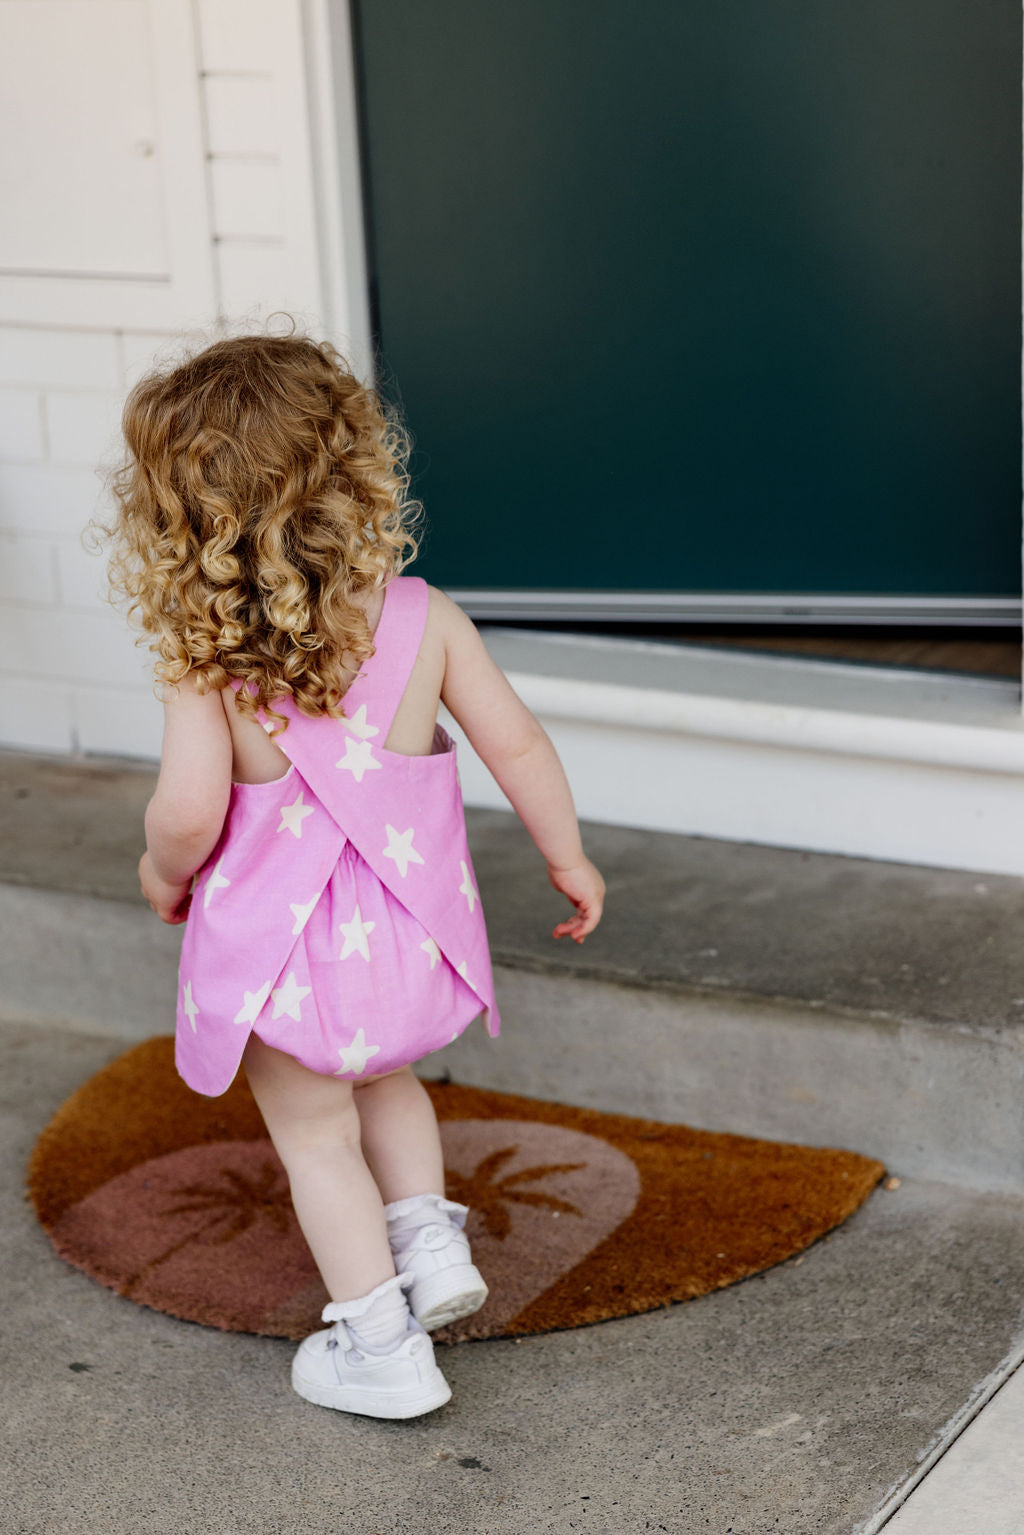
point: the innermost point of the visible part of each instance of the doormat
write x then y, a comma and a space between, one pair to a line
180, 1203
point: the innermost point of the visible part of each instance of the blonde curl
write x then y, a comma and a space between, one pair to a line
263, 488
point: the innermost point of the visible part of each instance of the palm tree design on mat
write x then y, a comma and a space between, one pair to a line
224, 1207
491, 1196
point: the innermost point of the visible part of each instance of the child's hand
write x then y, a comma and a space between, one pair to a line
170, 902
584, 886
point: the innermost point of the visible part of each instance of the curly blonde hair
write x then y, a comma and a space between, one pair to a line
263, 488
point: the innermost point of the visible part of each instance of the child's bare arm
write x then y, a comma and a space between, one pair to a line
185, 816
517, 751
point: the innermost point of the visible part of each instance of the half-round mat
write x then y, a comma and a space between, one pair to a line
180, 1203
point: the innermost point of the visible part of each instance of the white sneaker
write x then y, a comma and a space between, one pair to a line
445, 1283
332, 1371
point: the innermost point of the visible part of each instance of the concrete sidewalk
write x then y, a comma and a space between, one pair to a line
791, 1403
827, 1000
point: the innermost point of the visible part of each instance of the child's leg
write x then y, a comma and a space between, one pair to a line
313, 1123
403, 1146
401, 1141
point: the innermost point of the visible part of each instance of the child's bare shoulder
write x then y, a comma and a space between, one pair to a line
452, 625
186, 698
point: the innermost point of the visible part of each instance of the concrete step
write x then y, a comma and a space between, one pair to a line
806, 1400
801, 996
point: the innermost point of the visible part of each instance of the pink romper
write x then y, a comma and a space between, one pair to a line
338, 916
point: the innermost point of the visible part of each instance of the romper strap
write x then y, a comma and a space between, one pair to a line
397, 641
379, 687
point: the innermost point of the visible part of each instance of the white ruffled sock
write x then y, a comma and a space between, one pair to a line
378, 1321
406, 1216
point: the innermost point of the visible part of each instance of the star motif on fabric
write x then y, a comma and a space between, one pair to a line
293, 815
467, 887
461, 970
355, 1056
356, 932
358, 726
431, 950
287, 998
358, 758
400, 848
191, 1011
253, 1004
216, 881
302, 914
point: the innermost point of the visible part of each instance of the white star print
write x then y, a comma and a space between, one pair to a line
358, 726
216, 881
293, 815
253, 1004
466, 888
288, 997
302, 914
355, 1056
461, 970
191, 1011
356, 931
358, 758
400, 848
433, 953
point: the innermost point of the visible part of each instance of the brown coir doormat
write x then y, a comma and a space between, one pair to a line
178, 1202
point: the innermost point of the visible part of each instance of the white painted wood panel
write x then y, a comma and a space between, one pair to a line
80, 162
103, 172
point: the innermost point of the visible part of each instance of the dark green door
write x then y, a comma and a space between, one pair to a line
703, 297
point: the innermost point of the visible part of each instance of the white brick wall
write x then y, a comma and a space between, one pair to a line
82, 429
70, 677
63, 359
21, 426
27, 570
241, 114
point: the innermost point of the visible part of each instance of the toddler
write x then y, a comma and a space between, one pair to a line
307, 824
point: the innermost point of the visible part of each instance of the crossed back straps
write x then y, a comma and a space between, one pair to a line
372, 700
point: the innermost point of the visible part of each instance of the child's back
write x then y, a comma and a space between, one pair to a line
337, 916
334, 927
255, 757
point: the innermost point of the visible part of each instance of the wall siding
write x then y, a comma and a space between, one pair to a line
71, 677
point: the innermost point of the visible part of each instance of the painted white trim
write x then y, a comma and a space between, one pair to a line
333, 113
939, 744
913, 767
496, 605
